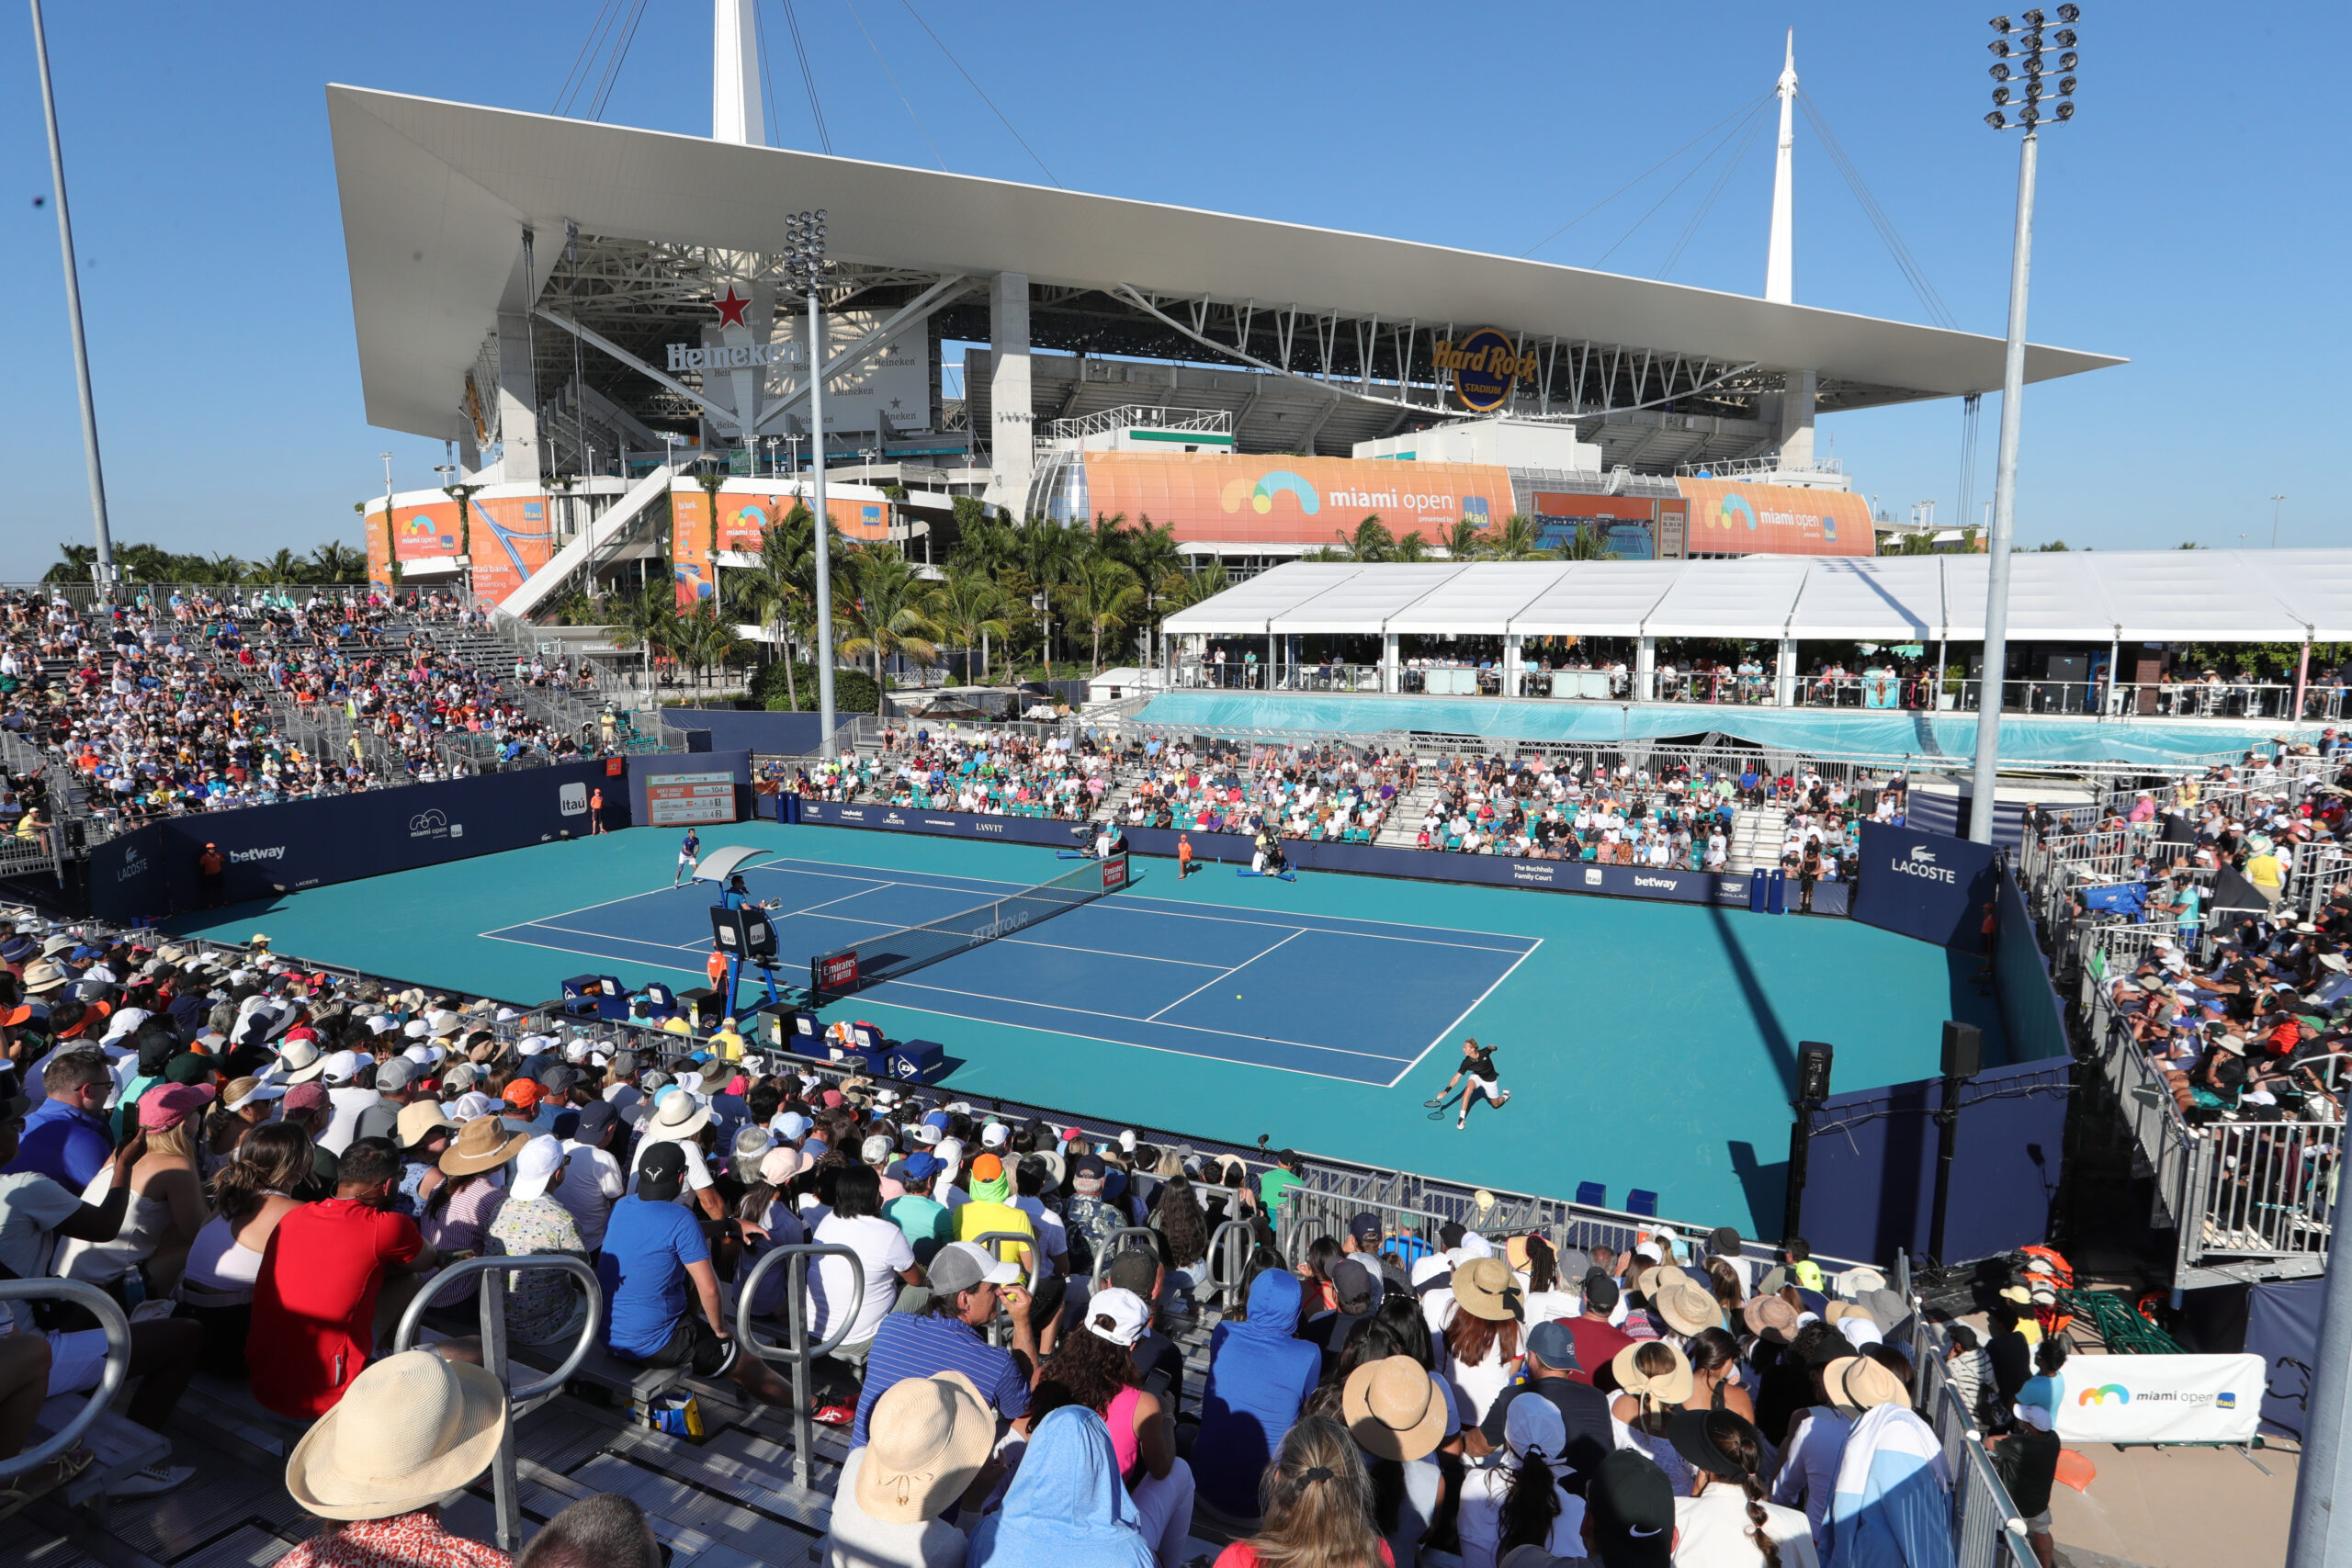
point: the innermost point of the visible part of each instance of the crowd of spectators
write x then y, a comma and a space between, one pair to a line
288, 1159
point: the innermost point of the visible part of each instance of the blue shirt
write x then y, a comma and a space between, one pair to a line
647, 1247
922, 1344
67, 1144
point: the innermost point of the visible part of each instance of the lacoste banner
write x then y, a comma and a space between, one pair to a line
2161, 1399
1929, 885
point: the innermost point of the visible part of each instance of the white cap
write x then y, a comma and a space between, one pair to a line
925, 1133
1127, 1315
790, 1124
535, 1168
995, 1135
1127, 1140
876, 1149
416, 1029
344, 1066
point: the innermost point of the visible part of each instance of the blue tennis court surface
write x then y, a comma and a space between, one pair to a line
1357, 999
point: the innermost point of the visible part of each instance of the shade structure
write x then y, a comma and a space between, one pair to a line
723, 862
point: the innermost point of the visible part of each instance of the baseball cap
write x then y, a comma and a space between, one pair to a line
395, 1073
987, 1168
1118, 1316
1631, 1507
301, 1097
960, 1266
876, 1149
1088, 1167
1365, 1228
995, 1135
1551, 1344
661, 1171
790, 1124
1600, 1291
595, 1118
1352, 1283
922, 1166
167, 1105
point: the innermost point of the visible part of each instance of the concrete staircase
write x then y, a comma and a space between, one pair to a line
1756, 835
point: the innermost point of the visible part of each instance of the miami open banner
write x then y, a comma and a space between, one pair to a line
1294, 501
2161, 1399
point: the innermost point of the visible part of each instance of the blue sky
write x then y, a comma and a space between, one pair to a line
2202, 235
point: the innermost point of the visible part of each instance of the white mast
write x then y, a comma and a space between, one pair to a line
735, 76
1780, 264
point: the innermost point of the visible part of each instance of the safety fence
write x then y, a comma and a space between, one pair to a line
1987, 1530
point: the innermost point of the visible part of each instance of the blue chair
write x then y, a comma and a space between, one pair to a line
1641, 1203
1592, 1194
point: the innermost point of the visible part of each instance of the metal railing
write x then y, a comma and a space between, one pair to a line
118, 1365
506, 1497
1029, 1245
796, 1350
1987, 1530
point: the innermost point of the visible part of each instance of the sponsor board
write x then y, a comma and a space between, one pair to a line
2161, 1399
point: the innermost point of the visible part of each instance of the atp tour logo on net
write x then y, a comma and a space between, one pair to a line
1921, 863
435, 825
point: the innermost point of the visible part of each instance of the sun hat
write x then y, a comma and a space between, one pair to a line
1126, 1312
1688, 1431
535, 1168
408, 1431
167, 1105
677, 1115
1483, 1287
419, 1121
242, 1092
1393, 1409
483, 1144
1769, 1318
1670, 1387
1863, 1384
1855, 1283
926, 1438
1687, 1309
301, 1062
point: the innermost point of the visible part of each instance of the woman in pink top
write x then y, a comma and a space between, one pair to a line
1097, 1369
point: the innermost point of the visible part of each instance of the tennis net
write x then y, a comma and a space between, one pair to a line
902, 951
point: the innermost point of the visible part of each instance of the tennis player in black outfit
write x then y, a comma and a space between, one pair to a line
1478, 1067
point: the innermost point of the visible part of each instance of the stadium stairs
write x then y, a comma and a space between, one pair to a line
1756, 832
728, 1501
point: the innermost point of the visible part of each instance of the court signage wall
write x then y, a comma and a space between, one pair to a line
1366, 860
270, 851
677, 800
1928, 885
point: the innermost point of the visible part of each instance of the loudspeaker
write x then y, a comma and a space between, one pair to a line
1813, 1068
1963, 1050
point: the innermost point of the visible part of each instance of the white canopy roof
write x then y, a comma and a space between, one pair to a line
2066, 596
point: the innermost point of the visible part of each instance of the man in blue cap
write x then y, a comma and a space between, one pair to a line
1548, 1370
920, 1217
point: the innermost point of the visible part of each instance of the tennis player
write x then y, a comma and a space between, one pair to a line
1478, 1067
689, 857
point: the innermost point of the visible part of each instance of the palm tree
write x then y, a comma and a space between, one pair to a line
283, 566
1099, 594
333, 561
1189, 588
776, 591
1370, 541
703, 638
968, 607
1045, 550
885, 611
227, 567
1412, 547
1464, 540
1150, 551
1586, 543
647, 620
1520, 538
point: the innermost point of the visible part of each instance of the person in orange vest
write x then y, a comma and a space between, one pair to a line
1183, 857
596, 810
208, 870
716, 968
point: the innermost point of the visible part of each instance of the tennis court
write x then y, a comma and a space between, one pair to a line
1356, 1000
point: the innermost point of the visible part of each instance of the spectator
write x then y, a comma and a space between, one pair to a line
2026, 1459
1516, 1499
458, 1212
1398, 1415
1093, 1366
931, 1439
923, 1220
592, 1178
1159, 1360
250, 1194
543, 1306
34, 1210
1725, 1522
1318, 1506
1630, 1512
320, 1282
67, 1137
410, 1430
1481, 1329
1548, 1371
1258, 1377
1597, 1339
1893, 1497
992, 1209
654, 1252
1654, 1378
866, 1292
966, 1284
24, 1387
606, 1530
1815, 1445
167, 1207
1066, 1507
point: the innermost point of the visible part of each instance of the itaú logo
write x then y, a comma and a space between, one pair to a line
2116, 1391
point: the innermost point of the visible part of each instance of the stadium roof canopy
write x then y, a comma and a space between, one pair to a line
435, 196
2067, 596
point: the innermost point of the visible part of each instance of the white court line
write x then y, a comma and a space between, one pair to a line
1111, 951
1125, 1018
583, 951
1292, 924
1465, 1012
661, 947
1204, 985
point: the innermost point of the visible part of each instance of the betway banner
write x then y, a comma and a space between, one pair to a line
2161, 1399
1929, 885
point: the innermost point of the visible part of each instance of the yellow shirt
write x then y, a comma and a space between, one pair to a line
678, 1025
978, 1219
2264, 871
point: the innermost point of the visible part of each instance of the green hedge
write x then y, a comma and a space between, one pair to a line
853, 690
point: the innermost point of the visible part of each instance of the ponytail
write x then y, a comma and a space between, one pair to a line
1531, 1506
1738, 1441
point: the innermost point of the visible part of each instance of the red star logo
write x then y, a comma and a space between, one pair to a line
730, 310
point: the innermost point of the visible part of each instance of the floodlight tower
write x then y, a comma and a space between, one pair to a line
2022, 45
807, 269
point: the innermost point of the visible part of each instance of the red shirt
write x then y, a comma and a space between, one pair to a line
404, 1540
1597, 1343
315, 1303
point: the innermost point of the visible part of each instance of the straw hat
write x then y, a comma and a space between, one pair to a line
1863, 1384
1688, 1309
1769, 1318
926, 1438
1484, 1287
410, 1430
482, 1144
1669, 1387
1393, 1409
420, 1120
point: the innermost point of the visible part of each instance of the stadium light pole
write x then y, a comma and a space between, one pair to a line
2025, 45
104, 572
805, 267
2276, 502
